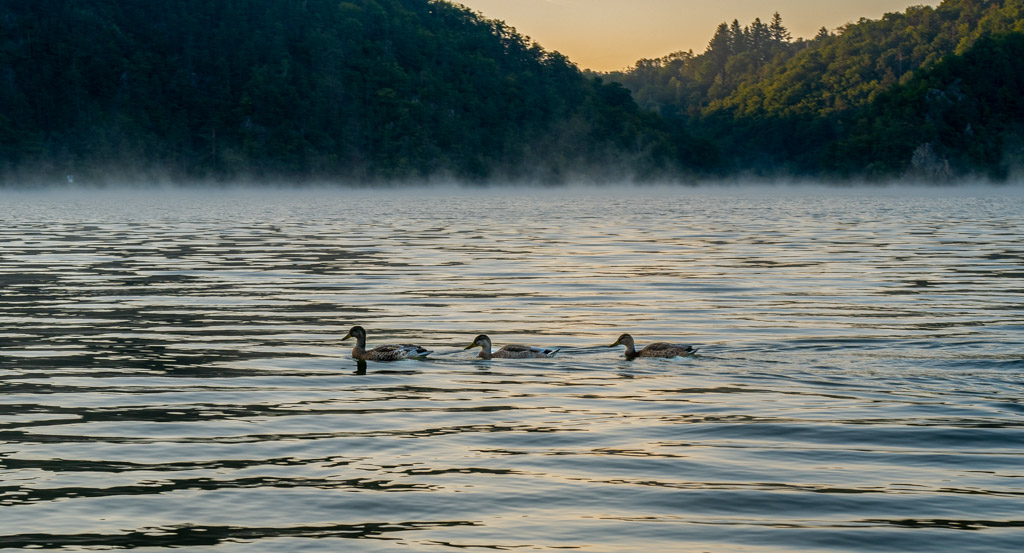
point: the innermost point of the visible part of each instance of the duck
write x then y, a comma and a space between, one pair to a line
390, 352
657, 349
511, 351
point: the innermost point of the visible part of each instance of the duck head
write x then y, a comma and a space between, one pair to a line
624, 340
357, 332
480, 341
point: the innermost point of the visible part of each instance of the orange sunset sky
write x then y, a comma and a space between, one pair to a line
606, 35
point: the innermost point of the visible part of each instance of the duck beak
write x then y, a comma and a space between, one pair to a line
347, 336
613, 345
471, 346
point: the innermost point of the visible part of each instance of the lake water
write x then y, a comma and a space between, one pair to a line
172, 375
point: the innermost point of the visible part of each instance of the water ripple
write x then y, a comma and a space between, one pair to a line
171, 371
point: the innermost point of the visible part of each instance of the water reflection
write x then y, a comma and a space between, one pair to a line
199, 535
171, 373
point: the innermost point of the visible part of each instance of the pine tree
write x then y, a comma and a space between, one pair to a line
760, 37
778, 32
738, 36
720, 48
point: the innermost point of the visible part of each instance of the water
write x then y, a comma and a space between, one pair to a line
171, 373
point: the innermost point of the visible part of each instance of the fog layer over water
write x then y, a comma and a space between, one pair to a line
171, 370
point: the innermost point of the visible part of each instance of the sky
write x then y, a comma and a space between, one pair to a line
607, 35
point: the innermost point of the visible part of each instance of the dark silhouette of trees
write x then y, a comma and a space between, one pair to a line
399, 89
317, 89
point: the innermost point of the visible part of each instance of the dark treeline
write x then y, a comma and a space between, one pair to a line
354, 89
933, 92
399, 89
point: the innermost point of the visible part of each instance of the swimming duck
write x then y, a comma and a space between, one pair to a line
390, 352
657, 349
511, 351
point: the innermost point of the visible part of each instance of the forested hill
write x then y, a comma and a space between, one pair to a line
931, 92
406, 89
306, 89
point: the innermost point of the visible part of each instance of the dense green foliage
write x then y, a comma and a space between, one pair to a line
377, 89
305, 89
823, 105
965, 115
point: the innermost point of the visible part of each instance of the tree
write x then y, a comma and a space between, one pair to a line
777, 31
719, 49
738, 37
760, 39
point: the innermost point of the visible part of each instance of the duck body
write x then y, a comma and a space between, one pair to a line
511, 351
657, 349
389, 352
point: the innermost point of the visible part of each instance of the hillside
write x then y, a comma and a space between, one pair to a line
317, 89
963, 116
371, 90
776, 105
